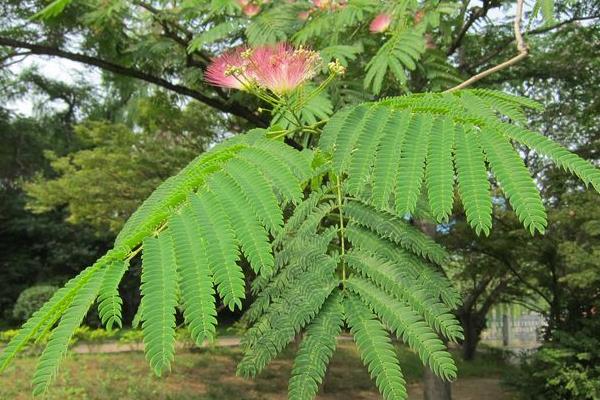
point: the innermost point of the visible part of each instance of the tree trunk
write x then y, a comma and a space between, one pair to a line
435, 388
469, 345
473, 323
505, 331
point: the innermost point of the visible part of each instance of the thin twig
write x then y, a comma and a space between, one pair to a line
522, 49
537, 31
23, 56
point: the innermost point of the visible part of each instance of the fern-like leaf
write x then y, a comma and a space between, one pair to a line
316, 349
362, 159
408, 326
565, 159
257, 192
279, 326
385, 169
277, 171
401, 51
221, 249
412, 163
109, 301
44, 319
354, 125
196, 283
399, 283
159, 299
172, 193
473, 184
252, 236
440, 170
426, 277
334, 129
375, 348
391, 227
213, 34
311, 259
58, 344
514, 178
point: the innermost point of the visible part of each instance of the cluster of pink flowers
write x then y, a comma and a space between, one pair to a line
251, 7
279, 68
329, 4
380, 23
322, 5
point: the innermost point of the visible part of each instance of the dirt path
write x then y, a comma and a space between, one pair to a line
468, 389
116, 347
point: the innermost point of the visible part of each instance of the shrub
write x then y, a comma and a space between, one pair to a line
85, 334
567, 368
31, 299
6, 336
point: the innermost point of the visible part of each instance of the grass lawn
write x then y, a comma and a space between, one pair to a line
209, 374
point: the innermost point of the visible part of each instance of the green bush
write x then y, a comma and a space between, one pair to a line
132, 336
6, 336
86, 334
30, 300
567, 368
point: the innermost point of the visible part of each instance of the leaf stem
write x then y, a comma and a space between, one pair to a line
342, 233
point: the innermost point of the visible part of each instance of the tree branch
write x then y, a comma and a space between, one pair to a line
493, 297
22, 54
522, 49
532, 32
39, 49
510, 265
475, 14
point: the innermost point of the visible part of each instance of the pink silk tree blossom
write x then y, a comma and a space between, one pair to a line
322, 4
303, 15
380, 23
251, 9
228, 70
279, 68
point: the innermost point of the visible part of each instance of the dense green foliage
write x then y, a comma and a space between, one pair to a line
567, 368
30, 300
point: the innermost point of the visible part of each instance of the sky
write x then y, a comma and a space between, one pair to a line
52, 68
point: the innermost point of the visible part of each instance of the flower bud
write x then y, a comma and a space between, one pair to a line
380, 23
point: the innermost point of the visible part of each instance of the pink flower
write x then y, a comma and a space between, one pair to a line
339, 4
329, 4
303, 16
418, 16
321, 4
380, 23
281, 68
228, 70
251, 9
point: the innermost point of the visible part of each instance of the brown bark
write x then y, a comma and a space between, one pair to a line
434, 388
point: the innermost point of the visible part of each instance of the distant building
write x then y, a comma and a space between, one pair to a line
513, 327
